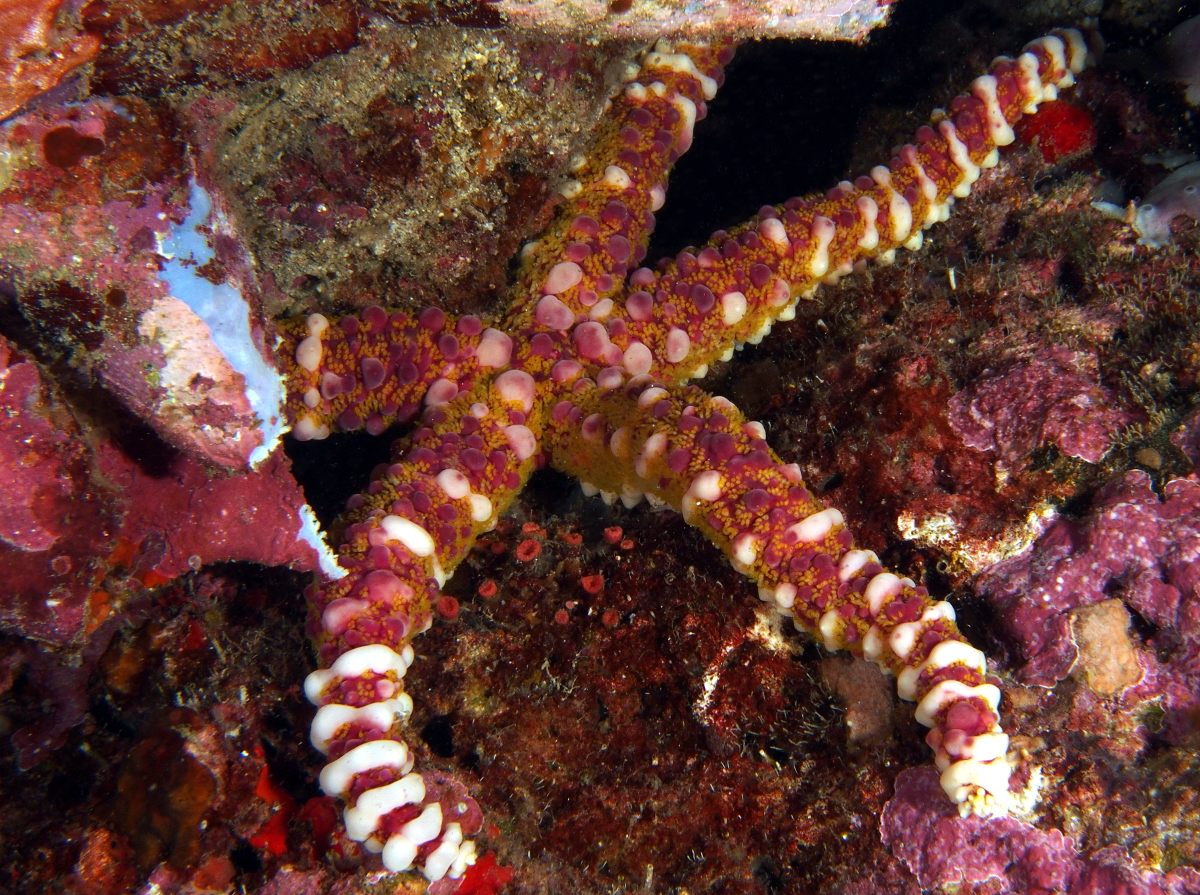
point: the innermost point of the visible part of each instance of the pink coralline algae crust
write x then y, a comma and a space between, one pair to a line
167, 523
89, 527
46, 462
1133, 544
38, 456
1053, 397
1004, 855
90, 191
80, 512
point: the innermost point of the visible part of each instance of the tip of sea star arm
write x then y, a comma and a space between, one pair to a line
613, 190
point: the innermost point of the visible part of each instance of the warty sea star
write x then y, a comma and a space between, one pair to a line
588, 372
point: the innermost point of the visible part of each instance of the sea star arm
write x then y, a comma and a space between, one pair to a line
577, 269
697, 453
376, 368
401, 538
704, 303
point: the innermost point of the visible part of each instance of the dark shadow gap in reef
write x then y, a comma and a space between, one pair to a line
785, 121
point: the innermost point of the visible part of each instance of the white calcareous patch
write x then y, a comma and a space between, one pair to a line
868, 212
494, 349
772, 230
516, 387
945, 693
331, 718
416, 539
616, 178
733, 308
308, 429
823, 231
363, 819
904, 637
945, 654
374, 657
522, 441
815, 527
983, 89
637, 359
337, 776
453, 483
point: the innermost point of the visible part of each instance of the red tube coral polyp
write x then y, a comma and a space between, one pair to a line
1061, 131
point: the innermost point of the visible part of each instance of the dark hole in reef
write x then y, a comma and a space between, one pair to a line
1145, 630
140, 443
473, 761
277, 721
108, 717
68, 789
332, 470
1072, 279
655, 701
244, 858
786, 121
65, 147
294, 778
553, 492
1077, 506
767, 873
1010, 230
438, 735
830, 483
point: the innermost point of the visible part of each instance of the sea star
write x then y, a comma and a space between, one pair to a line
588, 372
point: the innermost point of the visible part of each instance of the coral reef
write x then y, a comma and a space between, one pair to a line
597, 677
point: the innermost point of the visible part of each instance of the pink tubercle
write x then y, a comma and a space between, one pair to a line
516, 387
591, 339
494, 349
586, 224
565, 371
522, 441
432, 319
373, 372
443, 391
637, 359
593, 427
562, 277
614, 376
469, 326
640, 306
553, 314
337, 615
375, 318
